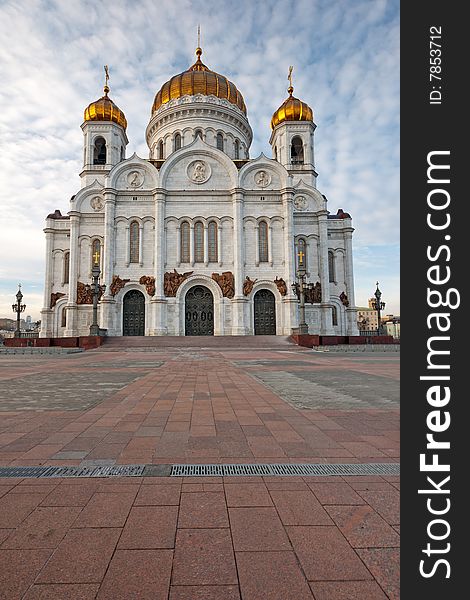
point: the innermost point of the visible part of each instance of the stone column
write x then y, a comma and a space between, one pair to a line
72, 310
191, 244
270, 244
326, 313
239, 300
141, 244
108, 304
158, 302
351, 311
290, 302
219, 244
47, 314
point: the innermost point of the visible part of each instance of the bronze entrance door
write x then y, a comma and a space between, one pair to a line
133, 313
199, 311
265, 313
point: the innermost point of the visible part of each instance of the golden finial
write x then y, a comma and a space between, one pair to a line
198, 49
106, 77
290, 89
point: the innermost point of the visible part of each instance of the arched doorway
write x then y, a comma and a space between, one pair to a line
199, 311
265, 313
133, 313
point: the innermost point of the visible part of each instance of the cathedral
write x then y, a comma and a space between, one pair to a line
198, 239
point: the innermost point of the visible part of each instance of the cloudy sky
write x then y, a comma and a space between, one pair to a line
346, 67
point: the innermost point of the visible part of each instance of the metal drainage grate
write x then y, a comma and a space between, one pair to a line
23, 471
285, 470
100, 471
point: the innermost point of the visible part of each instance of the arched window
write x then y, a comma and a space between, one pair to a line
134, 242
95, 253
198, 242
160, 150
263, 242
66, 266
212, 237
184, 242
334, 316
220, 142
297, 151
63, 317
237, 150
331, 266
198, 133
99, 151
301, 254
177, 141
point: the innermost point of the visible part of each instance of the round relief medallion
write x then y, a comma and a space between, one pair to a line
300, 203
96, 203
198, 171
135, 179
262, 178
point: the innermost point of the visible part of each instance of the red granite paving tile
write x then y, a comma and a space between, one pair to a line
14, 508
265, 447
286, 485
45, 527
177, 426
257, 529
213, 487
192, 487
384, 564
325, 555
299, 508
203, 510
158, 495
149, 527
247, 494
44, 489
82, 557
271, 576
204, 592
335, 493
137, 574
386, 503
347, 590
42, 451
4, 533
371, 485
110, 487
83, 591
363, 527
4, 489
362, 449
204, 557
106, 510
71, 494
18, 570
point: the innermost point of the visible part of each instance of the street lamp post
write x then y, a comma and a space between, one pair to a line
18, 308
95, 272
378, 305
300, 288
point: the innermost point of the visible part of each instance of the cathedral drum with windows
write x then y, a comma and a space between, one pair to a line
198, 239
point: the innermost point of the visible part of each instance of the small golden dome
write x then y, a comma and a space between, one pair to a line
198, 79
104, 109
292, 109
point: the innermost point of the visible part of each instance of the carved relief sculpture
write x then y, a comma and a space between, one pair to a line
117, 284
248, 285
54, 297
313, 296
226, 283
172, 281
198, 171
149, 283
344, 299
85, 293
281, 286
262, 179
96, 203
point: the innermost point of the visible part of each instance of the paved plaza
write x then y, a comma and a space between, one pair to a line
199, 538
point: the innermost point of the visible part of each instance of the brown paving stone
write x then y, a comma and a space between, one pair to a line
149, 527
158, 495
18, 570
347, 590
271, 576
82, 557
386, 503
82, 591
204, 592
371, 485
14, 508
384, 564
325, 555
106, 510
73, 494
335, 493
204, 557
203, 509
286, 485
299, 508
363, 527
45, 527
4, 533
247, 494
257, 529
139, 574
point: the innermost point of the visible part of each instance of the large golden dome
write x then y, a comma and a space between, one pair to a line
292, 109
198, 79
104, 109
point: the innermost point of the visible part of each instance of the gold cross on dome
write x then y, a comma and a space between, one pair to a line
106, 71
289, 77
96, 257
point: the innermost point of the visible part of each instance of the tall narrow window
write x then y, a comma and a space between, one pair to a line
134, 242
334, 316
63, 317
237, 150
184, 242
177, 141
99, 151
301, 254
160, 150
263, 241
123, 153
198, 133
212, 235
95, 253
198, 242
275, 152
297, 151
220, 142
331, 266
66, 266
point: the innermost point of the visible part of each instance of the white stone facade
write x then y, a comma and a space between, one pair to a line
201, 208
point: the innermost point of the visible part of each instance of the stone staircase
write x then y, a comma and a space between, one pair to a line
142, 343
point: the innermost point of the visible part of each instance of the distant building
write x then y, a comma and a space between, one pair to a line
367, 319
